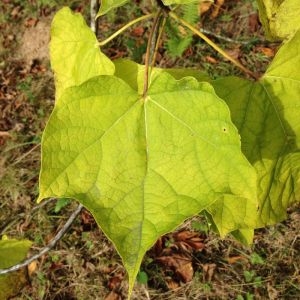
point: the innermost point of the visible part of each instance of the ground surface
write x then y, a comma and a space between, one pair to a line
192, 263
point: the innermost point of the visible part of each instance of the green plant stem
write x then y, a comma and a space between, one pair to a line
150, 47
114, 35
213, 45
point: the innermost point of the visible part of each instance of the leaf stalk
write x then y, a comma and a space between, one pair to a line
151, 45
118, 32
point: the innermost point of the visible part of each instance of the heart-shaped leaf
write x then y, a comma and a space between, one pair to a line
142, 165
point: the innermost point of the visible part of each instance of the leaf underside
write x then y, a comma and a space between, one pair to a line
267, 116
143, 165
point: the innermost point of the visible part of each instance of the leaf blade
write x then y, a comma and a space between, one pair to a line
113, 150
74, 51
267, 116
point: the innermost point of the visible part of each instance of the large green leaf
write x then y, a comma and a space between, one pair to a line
280, 18
74, 51
142, 165
267, 114
107, 5
12, 252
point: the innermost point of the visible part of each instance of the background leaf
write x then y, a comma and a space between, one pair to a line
12, 252
280, 18
143, 165
74, 51
267, 116
107, 5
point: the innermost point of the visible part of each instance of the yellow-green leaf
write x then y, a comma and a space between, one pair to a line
142, 165
74, 51
12, 252
267, 116
280, 18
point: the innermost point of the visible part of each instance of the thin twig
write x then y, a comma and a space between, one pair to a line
24, 155
94, 7
225, 38
44, 250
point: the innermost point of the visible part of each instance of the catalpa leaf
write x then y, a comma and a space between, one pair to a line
280, 18
267, 116
107, 5
142, 165
74, 51
224, 210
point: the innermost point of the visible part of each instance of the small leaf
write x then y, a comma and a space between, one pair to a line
256, 259
107, 5
142, 277
60, 204
74, 51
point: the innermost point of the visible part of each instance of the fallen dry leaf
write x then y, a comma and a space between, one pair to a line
208, 271
115, 281
269, 52
216, 8
180, 264
253, 22
235, 52
138, 31
188, 240
204, 6
211, 59
31, 22
172, 284
272, 292
233, 259
5, 134
32, 268
185, 272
